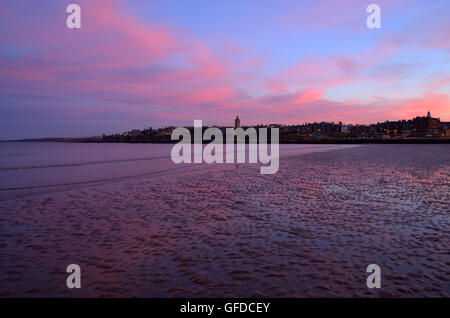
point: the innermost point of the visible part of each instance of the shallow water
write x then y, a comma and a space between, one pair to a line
309, 230
33, 167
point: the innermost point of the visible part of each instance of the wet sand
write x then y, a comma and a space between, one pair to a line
308, 231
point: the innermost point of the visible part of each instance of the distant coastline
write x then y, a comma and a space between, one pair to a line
283, 140
419, 130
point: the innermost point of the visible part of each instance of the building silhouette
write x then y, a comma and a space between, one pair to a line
237, 122
426, 126
421, 127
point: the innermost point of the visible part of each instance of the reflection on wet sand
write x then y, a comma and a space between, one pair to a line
309, 230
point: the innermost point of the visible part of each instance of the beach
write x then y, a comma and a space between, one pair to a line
310, 230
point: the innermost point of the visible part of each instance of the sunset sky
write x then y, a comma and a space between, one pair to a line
140, 63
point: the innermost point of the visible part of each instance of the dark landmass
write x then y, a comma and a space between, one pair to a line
420, 130
283, 140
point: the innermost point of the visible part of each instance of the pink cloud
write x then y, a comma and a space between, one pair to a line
131, 58
437, 104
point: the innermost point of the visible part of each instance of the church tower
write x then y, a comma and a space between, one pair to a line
237, 122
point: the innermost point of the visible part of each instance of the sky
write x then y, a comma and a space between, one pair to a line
145, 63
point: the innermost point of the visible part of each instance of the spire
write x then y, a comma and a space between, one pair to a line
237, 122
